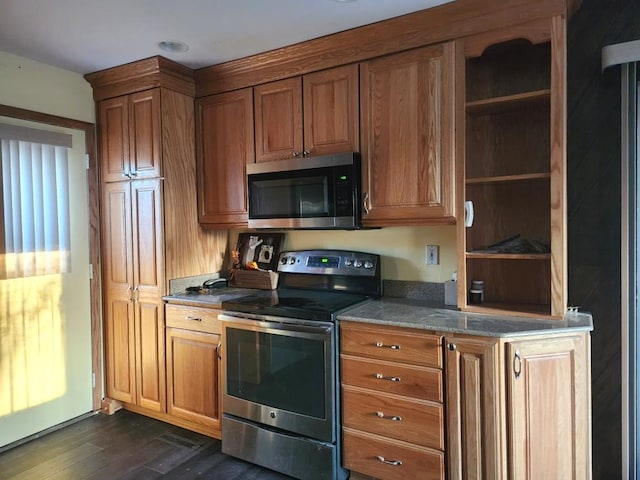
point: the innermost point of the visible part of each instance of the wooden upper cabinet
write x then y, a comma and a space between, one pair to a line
224, 146
330, 102
316, 114
129, 136
278, 119
407, 119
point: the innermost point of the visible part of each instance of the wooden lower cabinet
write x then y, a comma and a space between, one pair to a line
519, 409
193, 366
392, 410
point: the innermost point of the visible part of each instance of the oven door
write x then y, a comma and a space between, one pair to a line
280, 374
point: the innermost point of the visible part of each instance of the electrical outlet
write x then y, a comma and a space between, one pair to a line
432, 255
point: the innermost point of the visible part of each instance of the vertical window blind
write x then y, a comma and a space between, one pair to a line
35, 233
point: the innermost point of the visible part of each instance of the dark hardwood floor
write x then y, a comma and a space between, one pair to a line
125, 446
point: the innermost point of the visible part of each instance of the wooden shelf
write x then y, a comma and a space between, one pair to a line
509, 256
508, 178
519, 309
490, 106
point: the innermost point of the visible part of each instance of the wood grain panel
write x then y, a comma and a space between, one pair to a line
150, 364
331, 113
193, 318
474, 409
193, 377
401, 379
113, 138
278, 120
402, 418
366, 453
225, 145
407, 137
454, 20
144, 135
548, 402
394, 345
120, 350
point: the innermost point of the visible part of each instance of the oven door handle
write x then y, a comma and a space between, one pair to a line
270, 325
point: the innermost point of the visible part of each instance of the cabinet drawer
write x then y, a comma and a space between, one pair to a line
193, 318
418, 382
365, 453
392, 344
414, 421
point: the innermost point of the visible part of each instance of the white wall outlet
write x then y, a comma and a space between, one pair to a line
432, 255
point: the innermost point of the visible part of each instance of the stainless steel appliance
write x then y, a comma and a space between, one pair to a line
315, 192
281, 397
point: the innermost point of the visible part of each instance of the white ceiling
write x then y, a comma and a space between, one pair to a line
89, 35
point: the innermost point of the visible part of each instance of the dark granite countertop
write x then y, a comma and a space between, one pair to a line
416, 314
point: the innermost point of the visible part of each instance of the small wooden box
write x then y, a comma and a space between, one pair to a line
255, 279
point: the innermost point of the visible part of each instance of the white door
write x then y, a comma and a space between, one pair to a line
45, 326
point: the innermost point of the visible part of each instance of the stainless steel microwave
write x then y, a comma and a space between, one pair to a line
315, 193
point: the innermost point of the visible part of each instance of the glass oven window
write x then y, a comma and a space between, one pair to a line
283, 372
291, 197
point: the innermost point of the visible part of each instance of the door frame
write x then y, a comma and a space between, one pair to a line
95, 282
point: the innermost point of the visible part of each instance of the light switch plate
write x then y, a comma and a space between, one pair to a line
432, 255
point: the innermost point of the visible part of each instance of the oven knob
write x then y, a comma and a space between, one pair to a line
272, 414
283, 260
368, 264
292, 260
357, 263
348, 262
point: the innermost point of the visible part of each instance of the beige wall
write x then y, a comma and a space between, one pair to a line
402, 248
42, 88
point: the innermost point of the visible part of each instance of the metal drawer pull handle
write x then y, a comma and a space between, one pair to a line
195, 319
391, 379
517, 367
394, 418
392, 347
395, 463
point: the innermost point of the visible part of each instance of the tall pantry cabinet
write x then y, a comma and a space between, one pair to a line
149, 225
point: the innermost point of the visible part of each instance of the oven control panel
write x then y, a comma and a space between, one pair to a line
329, 262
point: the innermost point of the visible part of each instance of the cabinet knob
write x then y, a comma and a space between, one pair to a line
296, 154
365, 201
126, 174
517, 364
133, 174
305, 153
452, 347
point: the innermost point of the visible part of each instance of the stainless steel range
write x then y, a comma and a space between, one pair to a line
281, 396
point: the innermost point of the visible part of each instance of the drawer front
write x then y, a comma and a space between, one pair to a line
390, 344
389, 459
413, 421
418, 382
193, 318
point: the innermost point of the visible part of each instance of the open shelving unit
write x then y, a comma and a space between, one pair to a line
512, 175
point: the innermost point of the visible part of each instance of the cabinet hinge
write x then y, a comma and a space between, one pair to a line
93, 379
86, 161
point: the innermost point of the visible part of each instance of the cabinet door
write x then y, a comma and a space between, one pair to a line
474, 409
148, 274
407, 103
113, 138
144, 134
549, 408
193, 377
331, 120
119, 327
278, 120
225, 145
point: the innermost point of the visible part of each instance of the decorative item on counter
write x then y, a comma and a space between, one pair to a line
255, 259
